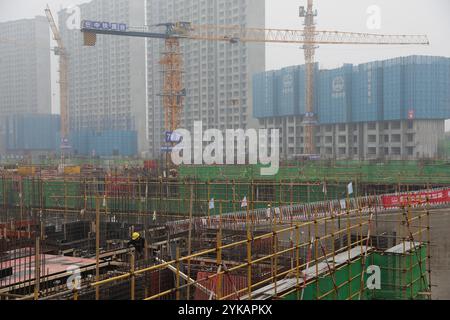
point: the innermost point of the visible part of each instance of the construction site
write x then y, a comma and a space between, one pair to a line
112, 228
225, 233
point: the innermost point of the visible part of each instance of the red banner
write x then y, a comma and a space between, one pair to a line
441, 196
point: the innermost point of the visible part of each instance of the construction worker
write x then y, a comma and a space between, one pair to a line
138, 243
269, 212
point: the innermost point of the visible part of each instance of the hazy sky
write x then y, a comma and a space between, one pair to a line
430, 17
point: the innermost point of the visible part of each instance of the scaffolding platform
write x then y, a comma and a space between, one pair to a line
269, 292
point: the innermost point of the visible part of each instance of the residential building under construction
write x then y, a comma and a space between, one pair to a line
393, 109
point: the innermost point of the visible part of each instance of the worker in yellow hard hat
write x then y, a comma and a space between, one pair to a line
137, 242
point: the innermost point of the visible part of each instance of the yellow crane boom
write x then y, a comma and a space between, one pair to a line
236, 34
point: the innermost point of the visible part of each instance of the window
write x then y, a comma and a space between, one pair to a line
342, 127
342, 139
396, 125
410, 137
342, 151
410, 151
372, 138
396, 151
410, 125
372, 126
396, 138
372, 151
329, 139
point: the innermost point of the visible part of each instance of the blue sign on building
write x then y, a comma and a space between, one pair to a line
173, 137
104, 25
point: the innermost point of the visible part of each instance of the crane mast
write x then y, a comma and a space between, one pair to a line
63, 70
309, 121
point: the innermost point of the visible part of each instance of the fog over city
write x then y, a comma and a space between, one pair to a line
429, 17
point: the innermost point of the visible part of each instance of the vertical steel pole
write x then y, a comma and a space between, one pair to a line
177, 292
97, 246
133, 277
219, 264
37, 269
191, 201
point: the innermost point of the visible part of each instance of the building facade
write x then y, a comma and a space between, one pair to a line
106, 82
25, 85
217, 75
383, 140
394, 109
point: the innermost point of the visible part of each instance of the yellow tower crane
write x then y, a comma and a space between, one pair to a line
63, 67
309, 37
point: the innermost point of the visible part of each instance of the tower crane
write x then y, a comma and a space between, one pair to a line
173, 93
63, 65
309, 121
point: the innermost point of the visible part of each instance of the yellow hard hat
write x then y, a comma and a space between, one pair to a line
135, 236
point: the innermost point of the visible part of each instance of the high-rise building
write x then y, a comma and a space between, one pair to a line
393, 109
25, 85
106, 83
217, 75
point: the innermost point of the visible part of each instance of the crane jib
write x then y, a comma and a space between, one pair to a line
131, 33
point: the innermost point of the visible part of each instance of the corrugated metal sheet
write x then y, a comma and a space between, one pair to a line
396, 89
427, 83
393, 89
264, 95
79, 140
288, 91
33, 132
367, 102
105, 143
335, 95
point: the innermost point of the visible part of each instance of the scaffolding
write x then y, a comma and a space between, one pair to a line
334, 257
221, 240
